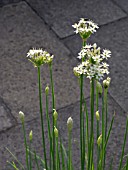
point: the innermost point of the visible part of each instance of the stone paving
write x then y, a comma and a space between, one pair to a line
48, 24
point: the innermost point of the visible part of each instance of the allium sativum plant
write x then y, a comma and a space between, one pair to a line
93, 65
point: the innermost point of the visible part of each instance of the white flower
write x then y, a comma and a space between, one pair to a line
93, 65
85, 27
106, 54
79, 70
39, 57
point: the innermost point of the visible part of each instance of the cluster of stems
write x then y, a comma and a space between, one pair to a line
59, 158
87, 128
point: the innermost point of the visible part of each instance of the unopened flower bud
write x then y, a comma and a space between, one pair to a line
99, 140
21, 114
106, 82
55, 115
56, 132
70, 124
47, 90
30, 135
97, 115
99, 86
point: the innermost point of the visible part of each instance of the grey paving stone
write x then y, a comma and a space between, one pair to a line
5, 2
6, 119
21, 29
123, 4
13, 138
60, 15
114, 37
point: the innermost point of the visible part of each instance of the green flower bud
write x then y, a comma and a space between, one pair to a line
55, 115
97, 115
106, 82
70, 124
56, 132
47, 90
99, 86
21, 114
99, 140
30, 135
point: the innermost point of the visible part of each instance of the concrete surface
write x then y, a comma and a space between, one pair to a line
48, 24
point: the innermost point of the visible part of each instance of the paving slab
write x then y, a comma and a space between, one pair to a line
123, 4
61, 15
6, 118
113, 37
5, 2
13, 138
21, 29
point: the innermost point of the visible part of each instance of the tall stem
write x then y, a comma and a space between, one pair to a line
92, 125
57, 154
53, 122
41, 116
81, 123
97, 123
106, 111
69, 151
103, 131
106, 118
25, 143
49, 130
30, 156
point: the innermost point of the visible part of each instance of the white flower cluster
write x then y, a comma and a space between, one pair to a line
39, 57
85, 27
93, 65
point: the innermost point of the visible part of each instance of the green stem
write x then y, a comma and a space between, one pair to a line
52, 84
48, 119
36, 161
41, 116
106, 111
92, 124
87, 132
97, 124
30, 157
81, 123
57, 152
106, 120
125, 137
62, 156
22, 167
83, 127
127, 164
25, 143
103, 131
109, 132
84, 43
49, 130
69, 151
53, 122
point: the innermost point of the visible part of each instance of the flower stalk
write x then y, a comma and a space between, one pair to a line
53, 120
41, 116
69, 126
21, 114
